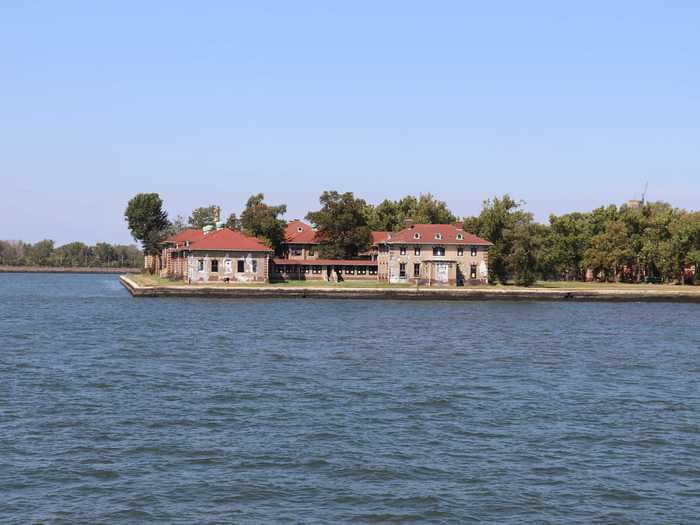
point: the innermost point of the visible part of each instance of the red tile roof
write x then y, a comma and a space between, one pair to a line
428, 233
324, 262
379, 237
190, 234
229, 240
298, 232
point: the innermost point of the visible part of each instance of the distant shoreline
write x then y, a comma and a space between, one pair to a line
688, 295
58, 269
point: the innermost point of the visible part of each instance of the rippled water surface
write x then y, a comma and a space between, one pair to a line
122, 410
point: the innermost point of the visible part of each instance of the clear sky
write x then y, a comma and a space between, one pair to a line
566, 105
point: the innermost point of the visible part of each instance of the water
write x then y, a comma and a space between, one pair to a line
122, 410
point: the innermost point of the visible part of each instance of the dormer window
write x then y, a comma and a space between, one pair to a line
438, 236
460, 236
416, 235
300, 229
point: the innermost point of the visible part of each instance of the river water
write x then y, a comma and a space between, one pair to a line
123, 410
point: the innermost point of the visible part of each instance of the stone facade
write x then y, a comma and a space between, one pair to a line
438, 264
232, 266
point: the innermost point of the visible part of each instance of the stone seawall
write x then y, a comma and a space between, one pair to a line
461, 294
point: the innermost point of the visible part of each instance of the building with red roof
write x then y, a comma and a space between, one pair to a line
432, 254
301, 242
427, 254
216, 255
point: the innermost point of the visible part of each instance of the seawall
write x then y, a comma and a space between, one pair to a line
455, 294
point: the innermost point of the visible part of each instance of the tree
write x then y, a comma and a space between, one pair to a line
610, 251
566, 242
39, 254
104, 254
233, 222
500, 221
522, 259
73, 254
204, 216
177, 226
147, 221
262, 220
390, 215
341, 225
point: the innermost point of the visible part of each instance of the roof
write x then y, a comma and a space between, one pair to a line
435, 234
379, 237
298, 232
189, 234
228, 240
324, 262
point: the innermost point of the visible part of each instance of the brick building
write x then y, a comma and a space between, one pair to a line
425, 254
432, 254
215, 255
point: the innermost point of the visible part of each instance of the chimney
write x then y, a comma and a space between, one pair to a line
408, 223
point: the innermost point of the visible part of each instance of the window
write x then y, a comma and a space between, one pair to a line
460, 251
460, 236
255, 266
200, 265
383, 248
241, 266
372, 270
402, 270
402, 250
416, 250
303, 269
438, 236
349, 270
311, 251
473, 251
416, 235
296, 251
361, 270
416, 270
472, 271
316, 269
300, 229
215, 266
438, 251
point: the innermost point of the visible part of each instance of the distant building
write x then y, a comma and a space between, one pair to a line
214, 256
432, 254
424, 254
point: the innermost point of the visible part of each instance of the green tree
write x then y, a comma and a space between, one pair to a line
610, 251
523, 256
263, 221
426, 209
147, 221
204, 216
566, 242
73, 254
39, 254
500, 221
233, 222
104, 254
341, 224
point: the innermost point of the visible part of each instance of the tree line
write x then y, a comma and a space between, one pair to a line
71, 255
647, 242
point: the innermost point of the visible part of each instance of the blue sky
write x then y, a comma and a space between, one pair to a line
565, 105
